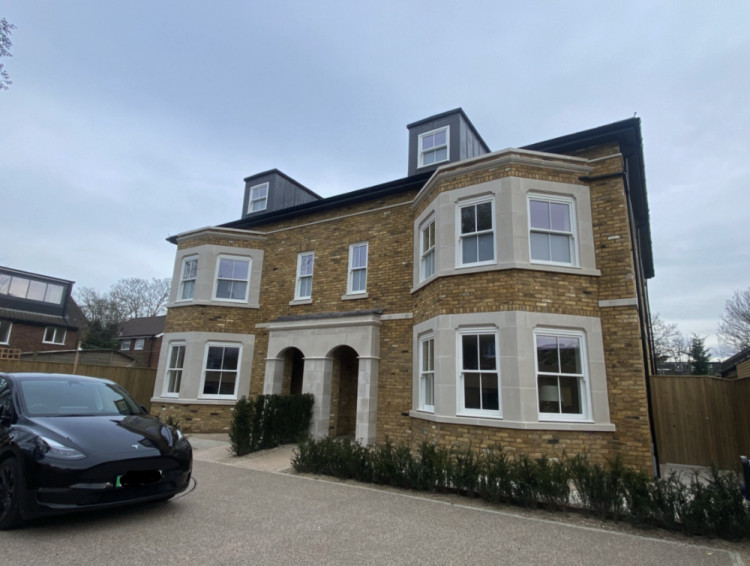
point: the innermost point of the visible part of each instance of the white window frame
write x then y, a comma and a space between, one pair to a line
261, 201
56, 339
460, 396
173, 373
433, 149
5, 339
352, 269
125, 344
209, 345
304, 277
140, 344
249, 262
186, 278
430, 252
572, 240
460, 236
427, 373
22, 287
583, 378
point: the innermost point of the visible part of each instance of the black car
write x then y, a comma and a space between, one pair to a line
70, 443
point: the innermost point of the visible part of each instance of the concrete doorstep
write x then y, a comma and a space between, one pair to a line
216, 448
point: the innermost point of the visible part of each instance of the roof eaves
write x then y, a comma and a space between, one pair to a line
628, 135
354, 197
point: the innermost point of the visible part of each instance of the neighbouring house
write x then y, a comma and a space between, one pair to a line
140, 338
37, 312
737, 366
488, 298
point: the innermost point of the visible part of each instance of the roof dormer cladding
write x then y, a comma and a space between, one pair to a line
273, 191
462, 139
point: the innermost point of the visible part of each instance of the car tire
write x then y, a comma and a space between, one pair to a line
10, 494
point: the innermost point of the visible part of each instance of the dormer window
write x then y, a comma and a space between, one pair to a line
258, 198
433, 147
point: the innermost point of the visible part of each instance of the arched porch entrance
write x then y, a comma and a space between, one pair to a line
344, 377
340, 355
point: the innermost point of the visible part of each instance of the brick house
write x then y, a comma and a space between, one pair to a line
140, 338
37, 312
487, 298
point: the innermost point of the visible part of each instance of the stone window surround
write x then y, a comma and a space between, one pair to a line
194, 365
512, 247
517, 371
208, 263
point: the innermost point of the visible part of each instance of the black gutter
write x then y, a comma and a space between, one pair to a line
627, 133
415, 182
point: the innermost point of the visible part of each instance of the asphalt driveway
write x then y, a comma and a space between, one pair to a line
239, 515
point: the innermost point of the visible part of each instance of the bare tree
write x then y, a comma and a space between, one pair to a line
5, 44
669, 343
734, 325
138, 297
126, 299
98, 306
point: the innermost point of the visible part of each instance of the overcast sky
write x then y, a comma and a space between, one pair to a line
128, 122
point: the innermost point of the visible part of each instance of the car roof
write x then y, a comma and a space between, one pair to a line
35, 376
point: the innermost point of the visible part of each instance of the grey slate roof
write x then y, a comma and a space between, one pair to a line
145, 327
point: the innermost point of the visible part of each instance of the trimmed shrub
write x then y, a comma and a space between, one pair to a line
269, 421
711, 506
600, 488
240, 428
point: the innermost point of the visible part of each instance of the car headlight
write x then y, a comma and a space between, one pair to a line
54, 449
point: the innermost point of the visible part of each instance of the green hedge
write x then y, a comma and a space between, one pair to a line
710, 506
269, 421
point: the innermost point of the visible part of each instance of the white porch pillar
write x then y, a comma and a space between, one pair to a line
316, 379
274, 376
367, 400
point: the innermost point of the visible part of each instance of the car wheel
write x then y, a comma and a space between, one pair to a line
10, 493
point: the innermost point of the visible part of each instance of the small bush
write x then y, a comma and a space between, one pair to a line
600, 488
240, 428
496, 482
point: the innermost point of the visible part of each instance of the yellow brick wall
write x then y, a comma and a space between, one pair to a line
387, 224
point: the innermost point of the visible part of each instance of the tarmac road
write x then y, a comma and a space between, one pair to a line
244, 516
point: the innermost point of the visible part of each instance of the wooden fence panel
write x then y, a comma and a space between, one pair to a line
139, 382
701, 420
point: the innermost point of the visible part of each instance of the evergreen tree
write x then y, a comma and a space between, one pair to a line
699, 356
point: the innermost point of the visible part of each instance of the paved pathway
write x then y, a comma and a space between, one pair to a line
215, 448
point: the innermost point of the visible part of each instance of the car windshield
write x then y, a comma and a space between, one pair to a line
67, 397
